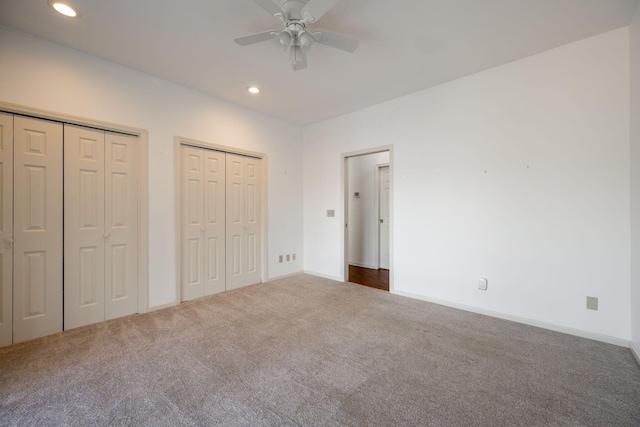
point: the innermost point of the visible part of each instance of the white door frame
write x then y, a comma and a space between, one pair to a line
143, 180
376, 201
179, 141
344, 211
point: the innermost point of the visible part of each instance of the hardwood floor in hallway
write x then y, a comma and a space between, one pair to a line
378, 279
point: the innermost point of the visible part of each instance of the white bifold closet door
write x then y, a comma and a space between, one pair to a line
100, 226
203, 222
6, 229
243, 221
37, 226
221, 222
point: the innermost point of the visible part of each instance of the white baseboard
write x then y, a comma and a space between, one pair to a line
525, 320
285, 276
635, 352
163, 305
324, 276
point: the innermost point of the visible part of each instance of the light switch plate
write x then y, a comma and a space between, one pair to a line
592, 303
331, 213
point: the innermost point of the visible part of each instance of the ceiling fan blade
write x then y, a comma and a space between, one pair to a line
270, 7
315, 9
256, 38
339, 41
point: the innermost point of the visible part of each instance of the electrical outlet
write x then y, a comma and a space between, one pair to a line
293, 257
592, 303
288, 257
280, 257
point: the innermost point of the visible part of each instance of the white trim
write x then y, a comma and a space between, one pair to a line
179, 141
324, 276
143, 181
524, 320
376, 213
218, 147
143, 222
344, 218
376, 201
163, 305
177, 204
635, 353
344, 211
284, 276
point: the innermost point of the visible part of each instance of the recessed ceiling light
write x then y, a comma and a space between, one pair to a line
253, 89
64, 9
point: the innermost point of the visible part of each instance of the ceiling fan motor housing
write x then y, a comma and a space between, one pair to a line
292, 9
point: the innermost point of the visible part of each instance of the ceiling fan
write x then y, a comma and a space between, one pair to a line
296, 36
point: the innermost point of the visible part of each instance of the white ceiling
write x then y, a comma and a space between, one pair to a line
406, 45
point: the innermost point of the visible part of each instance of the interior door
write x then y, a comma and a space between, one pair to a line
236, 246
192, 271
214, 221
203, 222
6, 229
384, 222
243, 221
121, 225
252, 221
84, 232
37, 290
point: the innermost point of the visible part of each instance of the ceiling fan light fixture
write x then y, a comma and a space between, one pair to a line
305, 41
254, 90
64, 9
285, 39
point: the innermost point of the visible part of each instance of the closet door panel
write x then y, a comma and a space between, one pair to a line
193, 223
84, 268
214, 221
37, 308
121, 225
6, 229
252, 221
236, 241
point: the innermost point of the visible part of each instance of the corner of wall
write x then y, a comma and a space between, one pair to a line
635, 352
634, 47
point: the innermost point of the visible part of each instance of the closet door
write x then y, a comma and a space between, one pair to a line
214, 222
253, 223
243, 221
6, 228
192, 281
101, 231
84, 232
37, 291
203, 222
121, 225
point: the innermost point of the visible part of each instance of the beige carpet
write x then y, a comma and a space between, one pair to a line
310, 351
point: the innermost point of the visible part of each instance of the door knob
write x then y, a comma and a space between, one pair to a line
9, 240
106, 235
203, 229
381, 220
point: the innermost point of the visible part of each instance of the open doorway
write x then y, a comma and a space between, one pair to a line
367, 211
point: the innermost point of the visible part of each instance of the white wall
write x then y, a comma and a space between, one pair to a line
635, 180
37, 73
519, 174
363, 219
